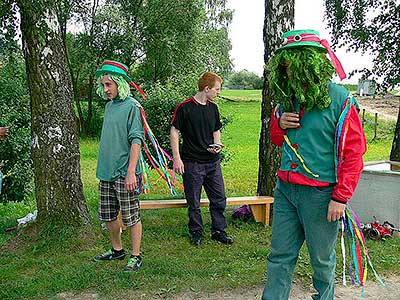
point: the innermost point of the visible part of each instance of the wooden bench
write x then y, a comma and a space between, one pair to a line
260, 205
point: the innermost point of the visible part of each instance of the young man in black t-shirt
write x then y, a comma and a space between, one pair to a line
197, 120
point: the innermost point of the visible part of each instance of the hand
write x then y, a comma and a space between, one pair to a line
335, 211
130, 182
215, 148
289, 120
3, 133
179, 168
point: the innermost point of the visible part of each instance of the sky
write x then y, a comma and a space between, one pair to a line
247, 41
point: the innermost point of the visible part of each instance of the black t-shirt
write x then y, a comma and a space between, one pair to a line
197, 123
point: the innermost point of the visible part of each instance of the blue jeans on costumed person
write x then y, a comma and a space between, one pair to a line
300, 214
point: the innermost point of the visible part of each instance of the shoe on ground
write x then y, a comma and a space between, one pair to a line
315, 296
222, 237
110, 255
195, 237
134, 264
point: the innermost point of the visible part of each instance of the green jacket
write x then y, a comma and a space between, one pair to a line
315, 136
122, 127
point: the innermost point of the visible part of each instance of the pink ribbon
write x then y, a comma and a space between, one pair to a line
306, 37
138, 88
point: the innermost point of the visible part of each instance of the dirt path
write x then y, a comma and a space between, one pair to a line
386, 106
373, 291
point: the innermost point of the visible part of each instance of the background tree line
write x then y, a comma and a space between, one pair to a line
166, 44
244, 80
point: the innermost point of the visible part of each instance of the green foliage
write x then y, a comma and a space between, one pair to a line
161, 103
369, 27
157, 39
244, 80
96, 119
308, 67
181, 39
15, 160
8, 25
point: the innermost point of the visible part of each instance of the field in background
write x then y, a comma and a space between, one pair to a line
242, 95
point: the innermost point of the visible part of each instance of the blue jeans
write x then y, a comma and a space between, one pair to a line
300, 214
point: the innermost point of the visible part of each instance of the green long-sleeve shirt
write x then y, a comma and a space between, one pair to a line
122, 127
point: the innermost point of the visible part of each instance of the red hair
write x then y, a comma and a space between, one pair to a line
208, 79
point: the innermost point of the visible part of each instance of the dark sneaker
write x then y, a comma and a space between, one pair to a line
134, 264
315, 297
221, 237
195, 237
111, 255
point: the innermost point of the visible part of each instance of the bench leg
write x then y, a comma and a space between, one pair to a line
261, 213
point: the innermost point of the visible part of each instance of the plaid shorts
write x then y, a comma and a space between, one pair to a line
114, 197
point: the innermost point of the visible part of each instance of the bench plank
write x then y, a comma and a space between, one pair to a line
259, 205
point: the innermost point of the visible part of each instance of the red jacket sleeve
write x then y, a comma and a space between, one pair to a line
350, 164
275, 131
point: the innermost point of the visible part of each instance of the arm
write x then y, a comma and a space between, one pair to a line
350, 167
130, 179
217, 141
217, 137
174, 139
278, 125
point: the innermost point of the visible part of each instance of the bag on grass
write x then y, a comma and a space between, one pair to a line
243, 213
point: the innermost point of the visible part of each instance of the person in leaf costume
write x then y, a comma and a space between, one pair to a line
317, 125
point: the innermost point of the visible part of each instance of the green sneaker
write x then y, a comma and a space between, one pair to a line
134, 264
110, 255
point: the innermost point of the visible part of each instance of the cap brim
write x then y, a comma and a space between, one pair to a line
304, 44
102, 72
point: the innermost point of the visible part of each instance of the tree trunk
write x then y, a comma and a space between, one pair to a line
279, 18
80, 120
395, 153
55, 144
90, 105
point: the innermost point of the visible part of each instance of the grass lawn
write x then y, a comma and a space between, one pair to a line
40, 265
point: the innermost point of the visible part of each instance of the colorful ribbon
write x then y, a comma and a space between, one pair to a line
159, 161
358, 251
138, 88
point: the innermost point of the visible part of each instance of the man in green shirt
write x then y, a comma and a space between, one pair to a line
119, 166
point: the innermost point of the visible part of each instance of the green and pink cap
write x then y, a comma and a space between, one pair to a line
310, 38
112, 67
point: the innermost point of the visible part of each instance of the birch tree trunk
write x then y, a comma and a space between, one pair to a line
279, 18
55, 140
